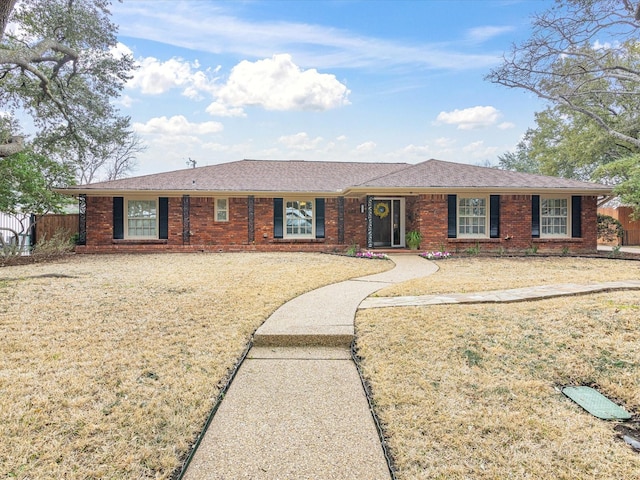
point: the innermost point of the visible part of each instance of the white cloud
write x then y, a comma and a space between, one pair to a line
470, 118
481, 34
278, 84
598, 45
479, 150
155, 77
214, 28
341, 138
126, 101
120, 50
218, 109
300, 141
420, 150
177, 125
444, 142
366, 147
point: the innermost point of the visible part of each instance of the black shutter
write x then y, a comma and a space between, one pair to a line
319, 217
452, 215
535, 216
277, 218
118, 218
576, 216
163, 218
494, 216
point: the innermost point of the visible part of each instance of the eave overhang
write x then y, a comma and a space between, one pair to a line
349, 192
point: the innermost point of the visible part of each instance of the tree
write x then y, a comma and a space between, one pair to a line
625, 175
59, 67
583, 56
115, 159
564, 143
521, 160
26, 183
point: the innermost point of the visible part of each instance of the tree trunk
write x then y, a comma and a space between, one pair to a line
6, 7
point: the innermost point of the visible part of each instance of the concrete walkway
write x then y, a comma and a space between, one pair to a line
296, 408
500, 296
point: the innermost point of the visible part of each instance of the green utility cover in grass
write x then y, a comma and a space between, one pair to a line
595, 403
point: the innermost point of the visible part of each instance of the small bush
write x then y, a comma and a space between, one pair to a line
60, 244
609, 229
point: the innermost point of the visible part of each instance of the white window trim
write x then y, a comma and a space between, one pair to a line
126, 218
216, 210
487, 218
313, 218
553, 197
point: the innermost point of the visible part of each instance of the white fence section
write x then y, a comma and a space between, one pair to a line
15, 232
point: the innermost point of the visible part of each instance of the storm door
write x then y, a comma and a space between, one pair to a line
388, 222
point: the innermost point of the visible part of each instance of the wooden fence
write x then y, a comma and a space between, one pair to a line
48, 225
631, 227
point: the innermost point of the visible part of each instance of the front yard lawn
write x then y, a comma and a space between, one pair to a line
109, 365
471, 391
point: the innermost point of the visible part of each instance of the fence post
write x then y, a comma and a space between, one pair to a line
32, 231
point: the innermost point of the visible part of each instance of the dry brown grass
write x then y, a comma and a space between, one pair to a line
469, 391
476, 274
109, 365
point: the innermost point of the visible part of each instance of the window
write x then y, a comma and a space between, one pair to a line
299, 218
221, 210
141, 219
472, 217
554, 217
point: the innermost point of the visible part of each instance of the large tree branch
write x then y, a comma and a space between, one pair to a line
14, 145
6, 7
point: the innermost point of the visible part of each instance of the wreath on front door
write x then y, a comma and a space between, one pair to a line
381, 209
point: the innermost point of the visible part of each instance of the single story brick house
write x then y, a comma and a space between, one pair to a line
265, 205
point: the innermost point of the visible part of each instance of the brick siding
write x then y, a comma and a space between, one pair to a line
426, 213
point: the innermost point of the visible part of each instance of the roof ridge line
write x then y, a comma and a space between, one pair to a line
408, 166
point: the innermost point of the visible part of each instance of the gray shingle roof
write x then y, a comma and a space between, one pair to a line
440, 174
257, 176
334, 177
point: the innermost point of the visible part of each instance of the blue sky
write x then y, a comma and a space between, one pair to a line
337, 80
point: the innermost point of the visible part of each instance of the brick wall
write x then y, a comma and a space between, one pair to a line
427, 213
430, 212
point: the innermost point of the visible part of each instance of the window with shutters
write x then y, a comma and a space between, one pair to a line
299, 219
554, 217
472, 217
221, 213
142, 219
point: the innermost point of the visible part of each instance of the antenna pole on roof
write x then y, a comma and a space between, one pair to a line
192, 162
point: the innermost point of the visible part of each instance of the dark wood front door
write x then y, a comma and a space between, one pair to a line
382, 218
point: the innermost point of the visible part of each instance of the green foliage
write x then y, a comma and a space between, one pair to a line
615, 252
609, 229
60, 68
475, 250
520, 160
26, 180
352, 250
625, 174
413, 239
565, 144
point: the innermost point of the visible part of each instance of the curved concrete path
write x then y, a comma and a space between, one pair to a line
325, 316
296, 408
501, 296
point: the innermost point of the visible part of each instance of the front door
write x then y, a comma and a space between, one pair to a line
388, 222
